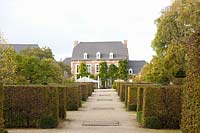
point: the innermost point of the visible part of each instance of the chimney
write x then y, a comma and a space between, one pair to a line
125, 42
75, 43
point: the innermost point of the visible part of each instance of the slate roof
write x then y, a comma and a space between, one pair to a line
119, 50
67, 61
136, 65
19, 47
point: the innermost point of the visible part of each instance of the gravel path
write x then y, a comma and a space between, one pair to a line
102, 113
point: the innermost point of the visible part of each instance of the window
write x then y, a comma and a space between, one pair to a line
130, 71
96, 68
85, 56
89, 68
111, 55
77, 68
98, 55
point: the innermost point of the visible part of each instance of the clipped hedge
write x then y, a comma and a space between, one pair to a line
1, 109
132, 98
73, 97
62, 102
162, 103
126, 93
84, 91
90, 88
26, 106
122, 91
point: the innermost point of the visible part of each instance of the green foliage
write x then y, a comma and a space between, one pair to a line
155, 71
1, 108
103, 73
123, 70
41, 53
5, 131
190, 99
73, 97
25, 105
132, 98
122, 92
139, 116
65, 68
31, 69
84, 91
7, 65
163, 102
47, 122
112, 72
62, 101
153, 122
83, 72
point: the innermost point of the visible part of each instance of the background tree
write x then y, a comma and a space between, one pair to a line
41, 53
103, 73
65, 68
112, 72
7, 65
83, 72
123, 70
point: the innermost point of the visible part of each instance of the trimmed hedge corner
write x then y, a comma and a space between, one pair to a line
163, 102
25, 106
73, 97
132, 98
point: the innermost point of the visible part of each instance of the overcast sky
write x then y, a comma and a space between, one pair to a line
57, 23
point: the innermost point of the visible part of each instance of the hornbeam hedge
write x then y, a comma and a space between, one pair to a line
31, 106
1, 109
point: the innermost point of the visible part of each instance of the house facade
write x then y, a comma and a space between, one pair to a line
92, 53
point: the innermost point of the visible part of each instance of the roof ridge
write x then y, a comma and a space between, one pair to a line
102, 42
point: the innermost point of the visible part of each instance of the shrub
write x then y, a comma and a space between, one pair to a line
163, 102
153, 122
47, 122
73, 96
25, 105
132, 98
84, 91
1, 108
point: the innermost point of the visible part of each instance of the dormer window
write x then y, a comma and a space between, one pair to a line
130, 71
85, 56
98, 55
111, 55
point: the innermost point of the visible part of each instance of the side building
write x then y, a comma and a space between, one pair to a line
20, 47
92, 53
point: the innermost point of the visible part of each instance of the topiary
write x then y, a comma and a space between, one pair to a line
47, 122
152, 122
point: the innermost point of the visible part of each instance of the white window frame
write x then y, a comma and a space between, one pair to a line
89, 70
98, 55
130, 71
96, 68
111, 55
85, 56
